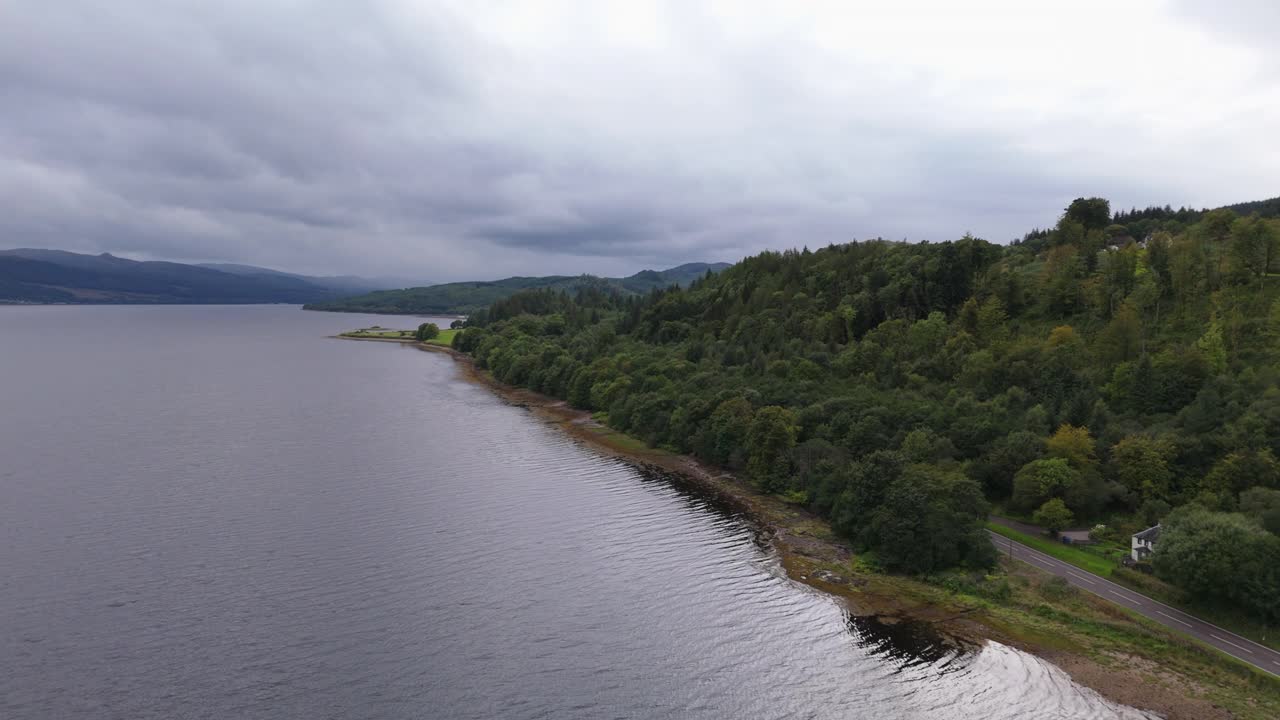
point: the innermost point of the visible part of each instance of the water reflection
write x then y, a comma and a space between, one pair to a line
908, 643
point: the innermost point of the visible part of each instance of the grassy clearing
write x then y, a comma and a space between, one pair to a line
445, 338
623, 441
379, 334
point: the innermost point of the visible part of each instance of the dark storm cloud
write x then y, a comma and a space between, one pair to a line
475, 140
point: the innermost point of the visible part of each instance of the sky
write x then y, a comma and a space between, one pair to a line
474, 140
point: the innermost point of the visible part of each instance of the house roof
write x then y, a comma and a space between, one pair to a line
1151, 534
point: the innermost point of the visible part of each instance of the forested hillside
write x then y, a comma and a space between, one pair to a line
1118, 368
461, 298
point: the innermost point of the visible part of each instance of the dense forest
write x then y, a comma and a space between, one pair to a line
1118, 368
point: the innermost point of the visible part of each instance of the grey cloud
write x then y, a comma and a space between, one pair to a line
383, 138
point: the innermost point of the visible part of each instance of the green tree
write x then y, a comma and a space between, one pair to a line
996, 468
1241, 470
1153, 511
1221, 555
992, 321
1141, 464
771, 437
1041, 480
427, 331
1188, 266
1060, 280
726, 436
1263, 505
1199, 550
924, 445
1093, 213
1053, 515
930, 518
1121, 340
1216, 224
1117, 273
1075, 445
1252, 246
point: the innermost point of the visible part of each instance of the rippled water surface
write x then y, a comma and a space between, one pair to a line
218, 512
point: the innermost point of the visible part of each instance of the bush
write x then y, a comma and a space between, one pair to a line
996, 588
1053, 515
1056, 588
427, 331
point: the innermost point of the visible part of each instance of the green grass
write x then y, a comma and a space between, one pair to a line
1079, 557
380, 333
624, 441
445, 338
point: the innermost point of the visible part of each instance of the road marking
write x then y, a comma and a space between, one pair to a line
1028, 555
1127, 598
1184, 622
1134, 598
1081, 577
1215, 637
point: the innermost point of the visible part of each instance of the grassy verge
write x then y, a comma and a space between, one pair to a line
1223, 616
1081, 558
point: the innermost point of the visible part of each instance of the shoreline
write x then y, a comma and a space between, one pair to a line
811, 554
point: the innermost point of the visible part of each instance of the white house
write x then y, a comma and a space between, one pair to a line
1144, 543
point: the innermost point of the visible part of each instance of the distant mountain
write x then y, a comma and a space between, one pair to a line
29, 275
345, 284
461, 298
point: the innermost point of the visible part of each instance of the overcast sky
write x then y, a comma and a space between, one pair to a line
448, 141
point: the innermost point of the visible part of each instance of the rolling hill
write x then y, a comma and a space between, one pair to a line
29, 275
461, 298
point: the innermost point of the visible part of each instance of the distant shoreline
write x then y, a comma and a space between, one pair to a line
451, 316
811, 554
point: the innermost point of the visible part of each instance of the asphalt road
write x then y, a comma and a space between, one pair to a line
1243, 649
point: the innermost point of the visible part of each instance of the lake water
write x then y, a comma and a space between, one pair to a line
219, 512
